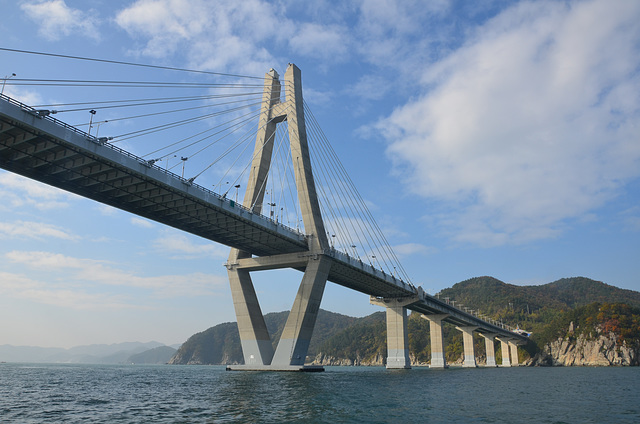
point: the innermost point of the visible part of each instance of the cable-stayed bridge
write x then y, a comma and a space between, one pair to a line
34, 144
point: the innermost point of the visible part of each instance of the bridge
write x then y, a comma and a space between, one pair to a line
36, 145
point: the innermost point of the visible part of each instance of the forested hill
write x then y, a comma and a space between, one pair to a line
221, 344
344, 339
492, 296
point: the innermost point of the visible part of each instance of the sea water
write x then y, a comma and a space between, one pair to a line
54, 393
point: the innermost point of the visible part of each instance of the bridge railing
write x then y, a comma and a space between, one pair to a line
102, 141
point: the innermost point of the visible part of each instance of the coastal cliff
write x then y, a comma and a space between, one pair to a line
603, 350
596, 335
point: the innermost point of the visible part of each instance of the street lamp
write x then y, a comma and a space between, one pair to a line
237, 186
184, 161
4, 81
92, 112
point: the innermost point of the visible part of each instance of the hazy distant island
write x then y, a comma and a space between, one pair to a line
117, 353
574, 321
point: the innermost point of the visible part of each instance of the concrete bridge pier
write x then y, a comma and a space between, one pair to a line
513, 346
504, 345
469, 351
397, 338
437, 340
490, 349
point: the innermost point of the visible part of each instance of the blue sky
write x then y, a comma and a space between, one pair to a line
488, 138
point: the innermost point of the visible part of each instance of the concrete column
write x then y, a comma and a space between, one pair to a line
296, 335
514, 353
469, 351
254, 336
490, 349
504, 344
397, 335
437, 340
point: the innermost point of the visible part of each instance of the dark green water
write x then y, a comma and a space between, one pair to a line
52, 393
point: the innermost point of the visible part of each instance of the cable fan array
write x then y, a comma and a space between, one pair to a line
205, 132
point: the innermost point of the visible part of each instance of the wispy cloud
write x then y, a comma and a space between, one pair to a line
34, 230
179, 246
18, 191
533, 122
141, 222
103, 274
220, 35
408, 249
20, 287
57, 20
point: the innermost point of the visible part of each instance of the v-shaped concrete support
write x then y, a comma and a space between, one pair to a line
256, 342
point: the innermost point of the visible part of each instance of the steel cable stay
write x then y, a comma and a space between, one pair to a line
133, 64
94, 105
243, 139
285, 168
246, 117
156, 99
146, 115
238, 159
150, 130
382, 246
121, 84
356, 233
329, 203
337, 201
278, 177
351, 210
154, 129
229, 110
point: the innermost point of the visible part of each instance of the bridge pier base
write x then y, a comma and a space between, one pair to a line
504, 345
514, 353
397, 338
438, 359
490, 349
469, 351
296, 335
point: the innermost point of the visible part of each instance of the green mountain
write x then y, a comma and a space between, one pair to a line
347, 340
158, 355
221, 344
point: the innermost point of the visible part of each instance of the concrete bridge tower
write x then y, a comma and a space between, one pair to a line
291, 350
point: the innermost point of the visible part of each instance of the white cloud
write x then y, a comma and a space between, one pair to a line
321, 41
21, 287
413, 249
531, 123
178, 246
215, 35
33, 230
17, 191
141, 222
102, 274
57, 20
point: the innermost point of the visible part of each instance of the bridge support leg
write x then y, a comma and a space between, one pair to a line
296, 336
437, 340
254, 336
490, 349
504, 344
397, 338
469, 351
514, 354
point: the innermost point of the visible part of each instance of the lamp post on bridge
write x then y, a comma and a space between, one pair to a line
237, 186
92, 112
4, 81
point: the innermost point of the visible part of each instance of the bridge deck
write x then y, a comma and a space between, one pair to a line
50, 151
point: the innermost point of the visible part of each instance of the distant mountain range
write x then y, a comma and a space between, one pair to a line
339, 339
118, 353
